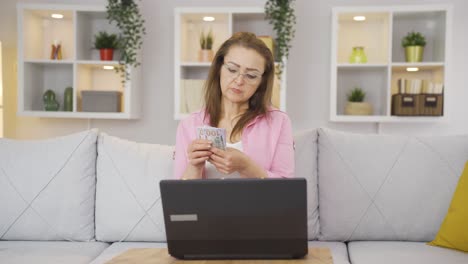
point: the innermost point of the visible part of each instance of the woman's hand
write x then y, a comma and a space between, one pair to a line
229, 160
198, 152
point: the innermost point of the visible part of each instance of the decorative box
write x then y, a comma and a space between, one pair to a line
405, 105
417, 104
101, 101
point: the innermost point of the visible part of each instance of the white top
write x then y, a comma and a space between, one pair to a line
212, 173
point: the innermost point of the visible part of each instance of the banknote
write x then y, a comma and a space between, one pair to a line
216, 135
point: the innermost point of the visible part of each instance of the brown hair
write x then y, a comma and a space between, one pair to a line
260, 100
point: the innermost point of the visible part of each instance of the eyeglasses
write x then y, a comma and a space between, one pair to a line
233, 73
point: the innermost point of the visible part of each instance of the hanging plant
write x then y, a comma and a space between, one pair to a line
126, 14
280, 13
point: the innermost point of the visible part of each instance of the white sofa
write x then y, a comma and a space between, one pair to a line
87, 197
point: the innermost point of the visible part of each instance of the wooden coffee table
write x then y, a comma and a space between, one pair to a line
161, 256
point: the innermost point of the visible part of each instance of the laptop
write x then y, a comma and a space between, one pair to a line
235, 218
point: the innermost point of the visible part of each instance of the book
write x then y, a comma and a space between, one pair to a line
214, 134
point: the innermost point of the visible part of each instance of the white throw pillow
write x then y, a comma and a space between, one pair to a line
305, 155
384, 187
47, 188
128, 201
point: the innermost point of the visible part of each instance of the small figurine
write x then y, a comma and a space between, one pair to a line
68, 99
56, 51
50, 104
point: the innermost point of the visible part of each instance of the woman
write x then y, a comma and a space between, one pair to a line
238, 98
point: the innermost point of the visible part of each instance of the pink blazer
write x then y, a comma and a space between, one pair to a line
268, 140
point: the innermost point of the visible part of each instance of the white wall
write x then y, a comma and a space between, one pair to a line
308, 74
1, 93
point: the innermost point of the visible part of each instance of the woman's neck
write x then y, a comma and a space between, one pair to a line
231, 111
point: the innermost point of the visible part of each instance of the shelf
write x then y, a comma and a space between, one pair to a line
98, 62
90, 23
190, 72
43, 77
422, 65
79, 68
380, 34
94, 77
371, 80
386, 119
372, 34
362, 65
432, 24
195, 64
82, 115
41, 31
252, 22
191, 24
48, 61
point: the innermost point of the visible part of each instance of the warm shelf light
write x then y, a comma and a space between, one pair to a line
412, 69
359, 18
57, 16
108, 67
208, 18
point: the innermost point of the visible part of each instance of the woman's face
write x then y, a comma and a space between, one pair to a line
241, 74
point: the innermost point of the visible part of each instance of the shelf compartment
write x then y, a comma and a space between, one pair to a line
88, 24
92, 76
42, 77
194, 72
40, 31
252, 22
372, 34
373, 80
431, 73
192, 24
431, 24
191, 95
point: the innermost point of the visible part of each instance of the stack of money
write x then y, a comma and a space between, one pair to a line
214, 134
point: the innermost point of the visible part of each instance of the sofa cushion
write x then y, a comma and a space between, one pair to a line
453, 232
338, 250
384, 187
128, 204
305, 153
391, 252
49, 252
47, 188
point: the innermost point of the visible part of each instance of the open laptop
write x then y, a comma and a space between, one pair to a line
235, 218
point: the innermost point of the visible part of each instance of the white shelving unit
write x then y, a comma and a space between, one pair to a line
381, 34
80, 66
189, 73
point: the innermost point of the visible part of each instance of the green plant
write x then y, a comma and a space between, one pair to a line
413, 39
280, 13
104, 40
206, 41
356, 95
126, 14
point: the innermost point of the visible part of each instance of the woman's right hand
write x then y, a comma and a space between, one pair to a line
198, 152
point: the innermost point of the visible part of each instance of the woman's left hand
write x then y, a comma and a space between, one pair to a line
229, 160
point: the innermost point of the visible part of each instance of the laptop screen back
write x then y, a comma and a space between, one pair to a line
235, 218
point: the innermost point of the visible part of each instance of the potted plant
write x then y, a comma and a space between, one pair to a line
280, 13
206, 45
356, 104
106, 43
126, 14
414, 43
